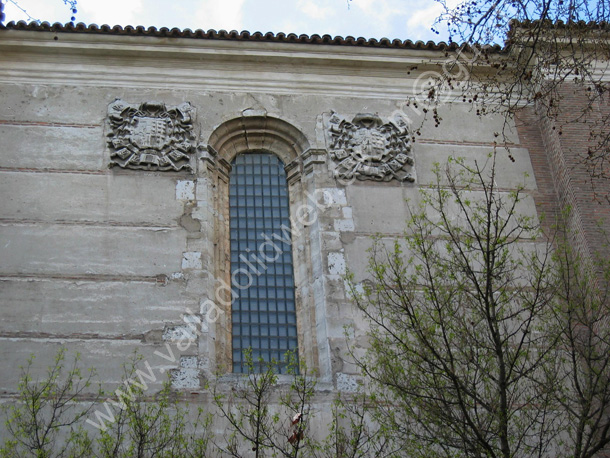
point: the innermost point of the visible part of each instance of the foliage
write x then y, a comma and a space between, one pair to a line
456, 312
254, 423
266, 414
45, 410
484, 341
71, 4
582, 372
353, 431
548, 43
146, 427
270, 416
46, 420
550, 56
489, 21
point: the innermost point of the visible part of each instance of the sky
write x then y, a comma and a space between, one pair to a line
402, 19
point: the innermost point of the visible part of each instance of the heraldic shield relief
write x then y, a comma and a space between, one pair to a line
150, 136
368, 149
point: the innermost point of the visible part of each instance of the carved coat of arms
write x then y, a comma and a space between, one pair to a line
150, 136
368, 149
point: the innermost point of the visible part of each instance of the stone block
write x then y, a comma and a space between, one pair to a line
133, 199
332, 196
460, 123
347, 383
508, 174
106, 357
104, 308
56, 103
191, 260
185, 190
90, 250
344, 225
63, 148
336, 264
524, 213
378, 208
358, 253
385, 210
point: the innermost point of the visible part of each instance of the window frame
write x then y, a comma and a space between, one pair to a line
251, 134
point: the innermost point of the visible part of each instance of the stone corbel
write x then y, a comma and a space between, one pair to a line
207, 155
311, 157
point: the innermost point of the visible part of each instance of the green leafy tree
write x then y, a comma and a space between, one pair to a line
456, 312
353, 431
581, 375
267, 417
44, 421
148, 426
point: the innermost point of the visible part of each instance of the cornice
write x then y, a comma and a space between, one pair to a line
144, 61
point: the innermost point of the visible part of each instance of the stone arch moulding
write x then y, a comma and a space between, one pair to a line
258, 133
262, 133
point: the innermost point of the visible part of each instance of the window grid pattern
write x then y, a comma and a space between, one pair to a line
264, 313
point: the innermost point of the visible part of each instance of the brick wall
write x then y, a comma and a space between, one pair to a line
558, 147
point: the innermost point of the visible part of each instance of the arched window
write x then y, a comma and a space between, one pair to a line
253, 319
263, 311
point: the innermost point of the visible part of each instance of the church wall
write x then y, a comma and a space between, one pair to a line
110, 260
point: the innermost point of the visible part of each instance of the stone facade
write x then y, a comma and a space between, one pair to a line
115, 162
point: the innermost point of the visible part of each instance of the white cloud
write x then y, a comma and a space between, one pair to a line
111, 12
37, 9
312, 9
216, 14
424, 17
381, 13
289, 25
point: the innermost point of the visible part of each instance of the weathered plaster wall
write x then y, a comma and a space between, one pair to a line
107, 261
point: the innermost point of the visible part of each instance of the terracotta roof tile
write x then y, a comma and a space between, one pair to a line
235, 35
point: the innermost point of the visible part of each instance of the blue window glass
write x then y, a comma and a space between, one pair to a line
263, 313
